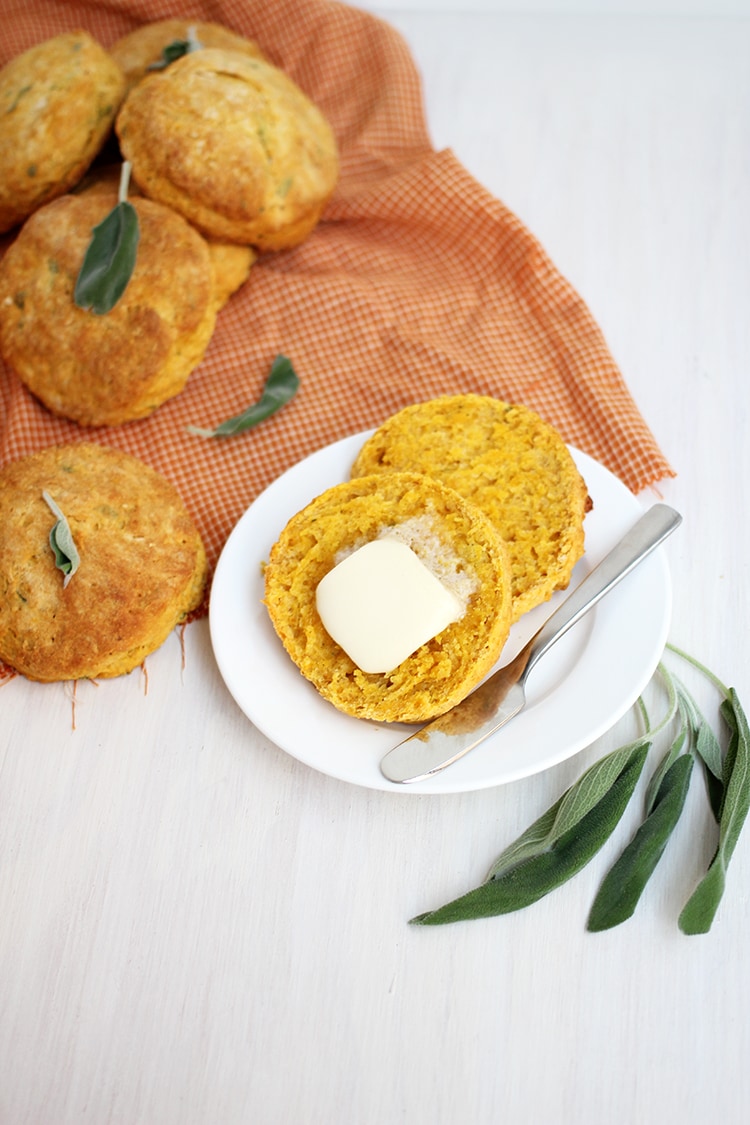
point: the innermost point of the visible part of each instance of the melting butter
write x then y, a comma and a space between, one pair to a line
381, 603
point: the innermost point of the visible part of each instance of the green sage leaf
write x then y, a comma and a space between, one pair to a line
566, 813
624, 883
708, 749
700, 910
110, 257
671, 756
704, 743
176, 49
729, 716
592, 786
538, 873
281, 386
64, 549
707, 745
532, 842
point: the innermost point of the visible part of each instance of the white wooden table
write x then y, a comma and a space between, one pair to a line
196, 929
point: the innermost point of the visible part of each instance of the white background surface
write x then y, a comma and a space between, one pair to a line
680, 8
196, 929
711, 8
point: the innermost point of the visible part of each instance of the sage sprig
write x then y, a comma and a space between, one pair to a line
176, 49
110, 257
571, 832
281, 386
64, 549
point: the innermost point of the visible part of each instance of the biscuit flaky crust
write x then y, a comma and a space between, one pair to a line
234, 145
109, 369
58, 101
440, 673
142, 568
510, 463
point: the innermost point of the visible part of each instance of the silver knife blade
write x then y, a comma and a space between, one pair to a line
447, 738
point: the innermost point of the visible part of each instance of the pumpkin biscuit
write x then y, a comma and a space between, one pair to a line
58, 101
511, 464
103, 370
452, 537
142, 563
234, 145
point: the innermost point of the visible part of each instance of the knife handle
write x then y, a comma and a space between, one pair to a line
643, 537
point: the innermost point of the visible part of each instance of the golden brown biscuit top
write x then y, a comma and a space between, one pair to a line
229, 141
140, 557
168, 297
57, 104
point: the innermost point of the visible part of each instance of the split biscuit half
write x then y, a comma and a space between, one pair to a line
450, 536
509, 462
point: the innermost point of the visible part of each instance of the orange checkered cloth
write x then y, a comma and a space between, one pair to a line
417, 282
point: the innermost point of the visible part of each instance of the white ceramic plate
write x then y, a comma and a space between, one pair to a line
578, 691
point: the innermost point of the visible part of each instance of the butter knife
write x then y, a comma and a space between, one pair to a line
444, 740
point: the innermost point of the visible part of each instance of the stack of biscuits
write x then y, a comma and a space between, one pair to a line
479, 488
226, 158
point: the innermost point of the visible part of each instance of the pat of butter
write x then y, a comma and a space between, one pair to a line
381, 603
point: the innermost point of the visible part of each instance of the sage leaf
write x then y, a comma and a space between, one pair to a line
705, 743
624, 883
530, 843
543, 870
730, 718
176, 49
709, 751
589, 789
281, 386
110, 257
700, 910
578, 800
654, 785
64, 549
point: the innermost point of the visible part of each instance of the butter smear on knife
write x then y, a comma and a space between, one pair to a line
381, 603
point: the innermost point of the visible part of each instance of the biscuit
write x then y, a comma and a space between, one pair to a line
57, 104
105, 369
510, 463
142, 563
454, 539
233, 145
142, 49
